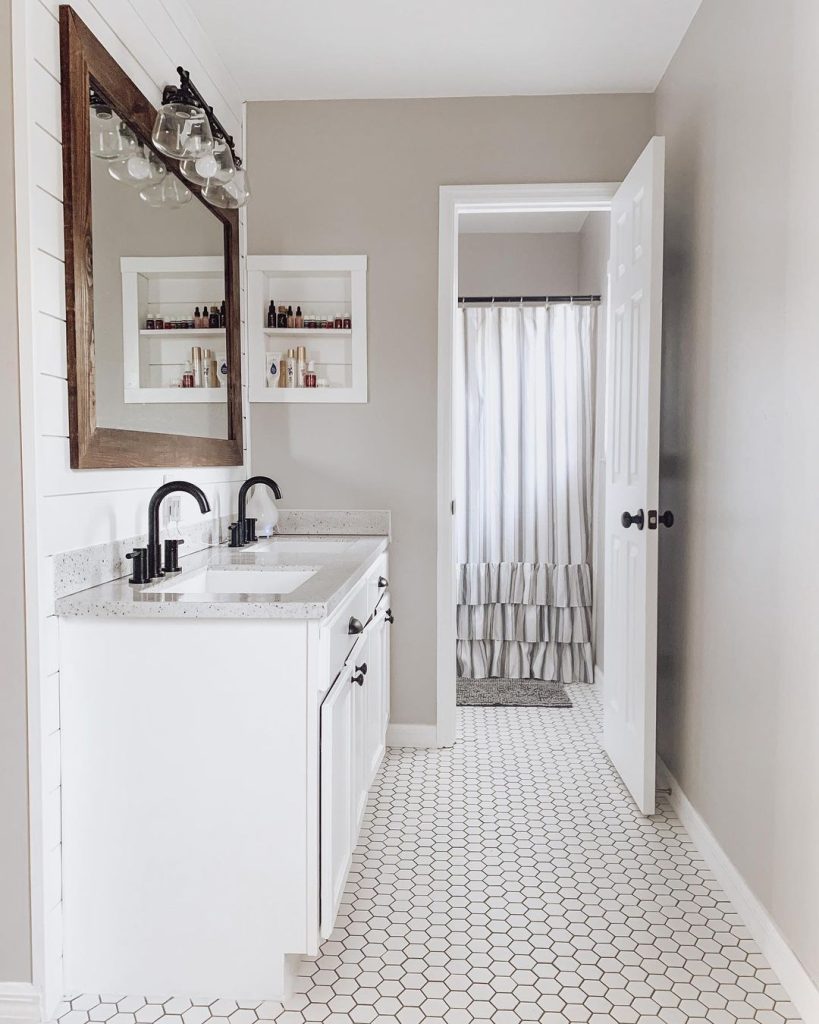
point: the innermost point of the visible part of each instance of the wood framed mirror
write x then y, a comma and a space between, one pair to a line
149, 384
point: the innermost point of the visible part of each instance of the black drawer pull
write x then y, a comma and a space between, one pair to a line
358, 679
362, 668
388, 615
383, 582
355, 626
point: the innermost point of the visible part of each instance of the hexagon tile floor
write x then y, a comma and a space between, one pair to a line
510, 879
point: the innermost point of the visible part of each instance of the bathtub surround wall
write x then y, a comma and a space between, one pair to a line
739, 590
15, 926
520, 264
67, 509
376, 192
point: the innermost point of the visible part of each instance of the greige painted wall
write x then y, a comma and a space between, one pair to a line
363, 177
739, 597
15, 924
522, 264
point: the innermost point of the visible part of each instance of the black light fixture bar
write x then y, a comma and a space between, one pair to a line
186, 92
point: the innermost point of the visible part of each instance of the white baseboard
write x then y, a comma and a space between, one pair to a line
19, 1003
796, 981
412, 736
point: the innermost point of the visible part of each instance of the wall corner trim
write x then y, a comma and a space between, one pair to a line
400, 735
793, 976
19, 1003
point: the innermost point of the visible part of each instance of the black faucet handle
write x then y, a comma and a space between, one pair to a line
139, 556
235, 530
172, 554
250, 531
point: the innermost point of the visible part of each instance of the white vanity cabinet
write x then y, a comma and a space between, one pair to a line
215, 775
353, 725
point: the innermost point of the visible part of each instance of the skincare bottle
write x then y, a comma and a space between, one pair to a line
213, 374
187, 376
273, 360
197, 318
301, 365
196, 359
291, 368
281, 318
205, 317
310, 375
213, 319
298, 319
271, 314
290, 317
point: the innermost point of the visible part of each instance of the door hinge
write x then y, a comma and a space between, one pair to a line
652, 519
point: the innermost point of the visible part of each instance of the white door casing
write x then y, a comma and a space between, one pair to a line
632, 474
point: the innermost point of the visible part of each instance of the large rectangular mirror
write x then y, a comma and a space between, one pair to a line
152, 283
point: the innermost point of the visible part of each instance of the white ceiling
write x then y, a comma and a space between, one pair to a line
557, 223
326, 49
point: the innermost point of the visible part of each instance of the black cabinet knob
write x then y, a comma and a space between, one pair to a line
383, 582
388, 615
362, 668
666, 519
358, 679
355, 626
139, 556
638, 519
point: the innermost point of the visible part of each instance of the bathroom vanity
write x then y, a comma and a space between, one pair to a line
221, 729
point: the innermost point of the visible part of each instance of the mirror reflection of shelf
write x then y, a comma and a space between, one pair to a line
170, 288
326, 285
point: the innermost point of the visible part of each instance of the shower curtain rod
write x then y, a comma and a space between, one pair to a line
491, 299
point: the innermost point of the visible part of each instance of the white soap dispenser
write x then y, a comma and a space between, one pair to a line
261, 506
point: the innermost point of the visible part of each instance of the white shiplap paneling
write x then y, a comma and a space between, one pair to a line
65, 508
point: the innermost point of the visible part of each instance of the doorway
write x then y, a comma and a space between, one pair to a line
631, 483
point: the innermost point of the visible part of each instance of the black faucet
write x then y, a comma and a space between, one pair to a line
154, 550
247, 528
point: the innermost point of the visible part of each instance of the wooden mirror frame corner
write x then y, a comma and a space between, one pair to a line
83, 60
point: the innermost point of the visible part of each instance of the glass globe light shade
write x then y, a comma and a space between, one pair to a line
170, 193
182, 130
217, 164
141, 168
105, 143
231, 194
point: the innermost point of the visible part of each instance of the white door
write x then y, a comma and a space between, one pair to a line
632, 475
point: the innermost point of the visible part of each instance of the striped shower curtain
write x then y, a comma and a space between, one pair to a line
523, 444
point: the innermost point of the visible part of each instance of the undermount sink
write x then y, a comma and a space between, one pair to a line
238, 581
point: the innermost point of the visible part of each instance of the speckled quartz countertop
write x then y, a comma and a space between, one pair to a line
314, 573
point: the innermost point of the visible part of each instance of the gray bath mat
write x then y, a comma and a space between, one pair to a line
511, 693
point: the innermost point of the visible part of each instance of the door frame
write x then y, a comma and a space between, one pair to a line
455, 200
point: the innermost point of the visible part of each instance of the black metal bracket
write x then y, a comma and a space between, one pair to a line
186, 92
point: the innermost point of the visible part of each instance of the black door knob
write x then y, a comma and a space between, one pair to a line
355, 625
666, 519
382, 581
638, 519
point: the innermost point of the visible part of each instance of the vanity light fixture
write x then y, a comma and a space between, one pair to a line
187, 130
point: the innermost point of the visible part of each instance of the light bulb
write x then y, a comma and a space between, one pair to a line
140, 168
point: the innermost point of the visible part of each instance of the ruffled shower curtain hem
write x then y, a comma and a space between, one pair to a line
506, 659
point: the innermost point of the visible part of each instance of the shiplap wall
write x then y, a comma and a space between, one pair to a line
64, 508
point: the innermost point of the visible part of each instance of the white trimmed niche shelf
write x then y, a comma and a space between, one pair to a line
324, 287
170, 287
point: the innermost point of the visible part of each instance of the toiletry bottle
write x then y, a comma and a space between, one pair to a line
301, 365
283, 372
222, 315
213, 374
271, 314
196, 359
346, 323
290, 317
197, 318
187, 376
213, 319
310, 375
205, 317
281, 319
273, 361
291, 368
298, 319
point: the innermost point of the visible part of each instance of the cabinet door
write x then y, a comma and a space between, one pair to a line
375, 698
361, 778
337, 781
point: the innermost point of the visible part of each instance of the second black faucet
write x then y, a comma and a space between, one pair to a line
243, 531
